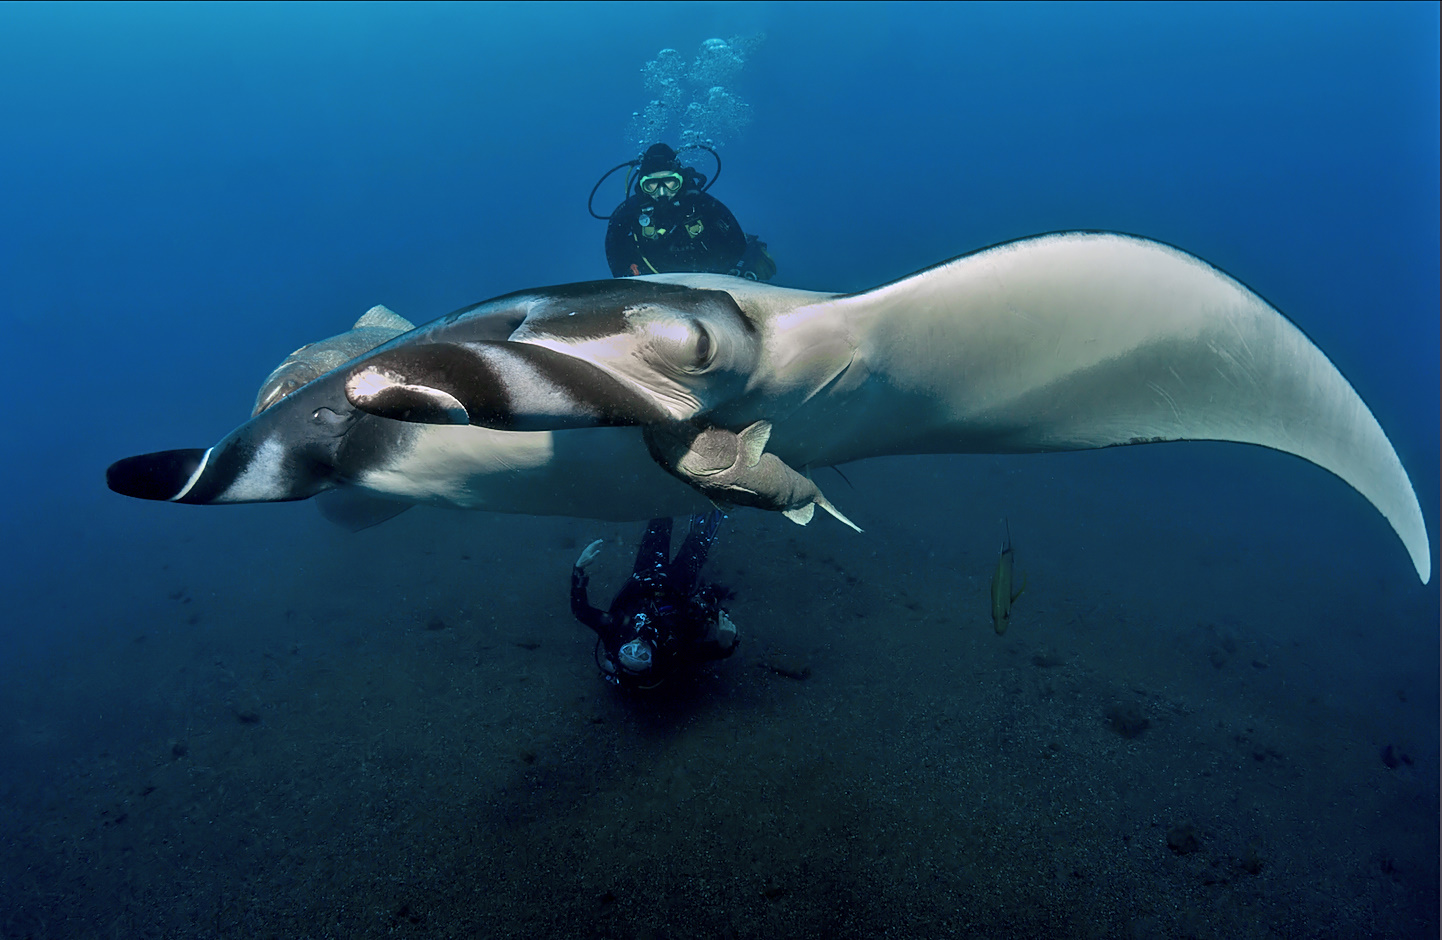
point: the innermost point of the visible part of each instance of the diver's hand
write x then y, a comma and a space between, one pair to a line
589, 553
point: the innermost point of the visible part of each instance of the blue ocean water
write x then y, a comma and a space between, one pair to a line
190, 192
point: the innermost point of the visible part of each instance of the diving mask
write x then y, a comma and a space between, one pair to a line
665, 183
636, 656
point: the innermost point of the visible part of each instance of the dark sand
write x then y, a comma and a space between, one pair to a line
272, 729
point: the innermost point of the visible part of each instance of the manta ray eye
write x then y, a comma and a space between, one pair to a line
705, 348
697, 351
682, 345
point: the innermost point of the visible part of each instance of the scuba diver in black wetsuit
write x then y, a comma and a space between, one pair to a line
664, 618
670, 223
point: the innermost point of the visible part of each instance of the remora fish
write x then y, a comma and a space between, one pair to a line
377, 325
541, 401
1001, 596
346, 506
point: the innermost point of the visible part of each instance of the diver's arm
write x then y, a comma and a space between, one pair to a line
580, 604
725, 242
707, 640
622, 253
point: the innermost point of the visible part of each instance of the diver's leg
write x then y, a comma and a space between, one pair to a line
655, 548
700, 535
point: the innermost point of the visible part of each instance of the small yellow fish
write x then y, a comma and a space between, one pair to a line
1001, 596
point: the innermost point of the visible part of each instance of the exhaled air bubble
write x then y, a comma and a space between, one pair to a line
690, 102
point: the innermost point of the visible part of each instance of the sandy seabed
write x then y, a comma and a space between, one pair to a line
285, 731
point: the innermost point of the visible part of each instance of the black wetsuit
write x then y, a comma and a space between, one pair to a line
691, 232
663, 602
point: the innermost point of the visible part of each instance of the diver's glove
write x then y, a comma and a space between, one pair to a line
579, 578
588, 554
726, 634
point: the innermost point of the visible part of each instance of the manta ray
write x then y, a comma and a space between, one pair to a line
640, 397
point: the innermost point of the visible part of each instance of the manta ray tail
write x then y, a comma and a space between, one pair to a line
803, 514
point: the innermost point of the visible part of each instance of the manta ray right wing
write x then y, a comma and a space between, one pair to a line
1094, 339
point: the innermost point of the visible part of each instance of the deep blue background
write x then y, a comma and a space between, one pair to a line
187, 193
